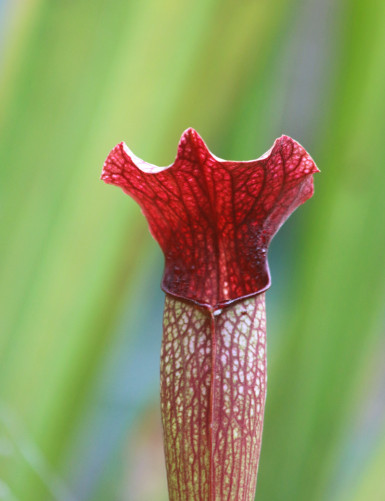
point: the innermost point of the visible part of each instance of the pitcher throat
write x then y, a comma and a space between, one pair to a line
213, 389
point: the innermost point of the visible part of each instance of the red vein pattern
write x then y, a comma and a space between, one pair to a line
213, 387
214, 219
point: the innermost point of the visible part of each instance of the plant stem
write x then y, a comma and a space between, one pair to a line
213, 388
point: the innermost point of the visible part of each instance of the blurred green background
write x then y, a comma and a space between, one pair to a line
81, 308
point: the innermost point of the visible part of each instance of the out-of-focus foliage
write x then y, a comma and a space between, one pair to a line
80, 306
